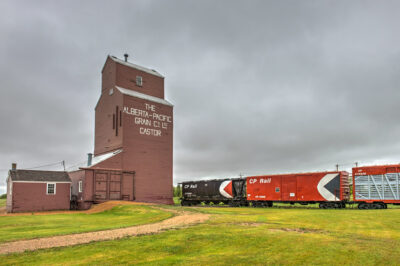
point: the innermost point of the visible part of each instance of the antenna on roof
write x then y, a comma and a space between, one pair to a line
126, 57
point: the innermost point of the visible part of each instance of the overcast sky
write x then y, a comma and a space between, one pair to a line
258, 86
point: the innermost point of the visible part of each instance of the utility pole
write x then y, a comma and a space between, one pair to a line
63, 164
337, 167
356, 164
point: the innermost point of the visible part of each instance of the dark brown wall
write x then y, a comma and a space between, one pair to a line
105, 135
86, 176
126, 78
88, 186
114, 162
108, 75
148, 155
28, 197
75, 177
128, 185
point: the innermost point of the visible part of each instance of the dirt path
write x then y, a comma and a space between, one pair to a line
181, 219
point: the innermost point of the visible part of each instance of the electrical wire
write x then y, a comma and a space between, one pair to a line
80, 163
36, 167
41, 166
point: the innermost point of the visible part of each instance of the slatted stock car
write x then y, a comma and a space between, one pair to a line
374, 188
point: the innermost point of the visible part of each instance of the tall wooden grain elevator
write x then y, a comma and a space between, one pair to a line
133, 145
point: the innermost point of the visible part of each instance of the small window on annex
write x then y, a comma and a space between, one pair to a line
51, 188
80, 186
139, 81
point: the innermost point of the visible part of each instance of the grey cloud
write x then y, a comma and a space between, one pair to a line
260, 86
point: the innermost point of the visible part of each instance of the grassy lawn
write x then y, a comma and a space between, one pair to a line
33, 226
249, 236
2, 202
177, 201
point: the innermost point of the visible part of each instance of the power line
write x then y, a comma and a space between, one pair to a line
41, 166
36, 167
80, 163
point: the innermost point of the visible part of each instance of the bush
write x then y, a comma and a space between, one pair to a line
4, 196
177, 191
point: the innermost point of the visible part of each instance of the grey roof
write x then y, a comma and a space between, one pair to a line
95, 160
143, 96
39, 176
144, 69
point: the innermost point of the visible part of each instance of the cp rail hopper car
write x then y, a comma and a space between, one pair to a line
228, 191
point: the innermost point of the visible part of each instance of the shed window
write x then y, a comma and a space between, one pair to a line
80, 186
139, 81
51, 188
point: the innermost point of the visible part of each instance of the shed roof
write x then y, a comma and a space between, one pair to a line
95, 160
39, 176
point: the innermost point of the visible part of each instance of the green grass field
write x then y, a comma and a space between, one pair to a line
249, 236
2, 202
33, 226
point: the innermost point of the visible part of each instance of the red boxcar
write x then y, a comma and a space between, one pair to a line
330, 189
376, 186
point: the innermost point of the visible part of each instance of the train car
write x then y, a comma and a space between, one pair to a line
376, 186
227, 191
329, 189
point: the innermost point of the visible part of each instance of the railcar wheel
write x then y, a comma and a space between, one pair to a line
380, 205
363, 206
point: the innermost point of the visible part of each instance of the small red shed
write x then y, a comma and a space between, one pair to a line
32, 190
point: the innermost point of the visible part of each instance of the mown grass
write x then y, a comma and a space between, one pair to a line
249, 236
177, 201
33, 226
2, 202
